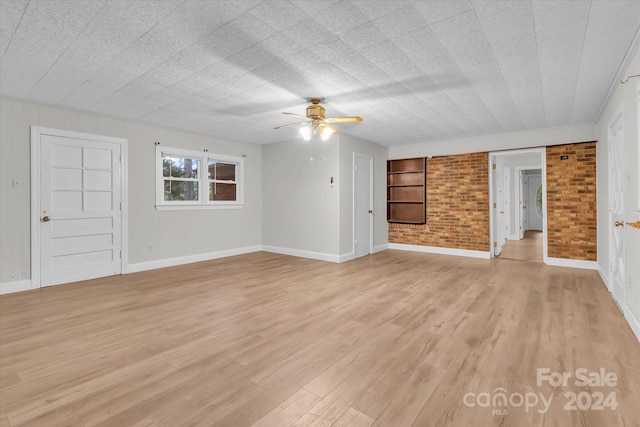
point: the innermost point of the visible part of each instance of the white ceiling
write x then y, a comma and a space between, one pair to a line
416, 71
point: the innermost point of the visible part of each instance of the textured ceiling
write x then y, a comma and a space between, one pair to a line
416, 71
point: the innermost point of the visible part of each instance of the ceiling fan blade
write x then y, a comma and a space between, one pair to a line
295, 115
289, 125
352, 119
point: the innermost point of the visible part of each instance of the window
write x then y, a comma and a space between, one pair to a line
182, 183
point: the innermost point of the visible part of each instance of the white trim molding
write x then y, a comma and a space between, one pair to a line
347, 257
16, 286
634, 322
303, 254
572, 263
604, 276
188, 259
442, 251
380, 248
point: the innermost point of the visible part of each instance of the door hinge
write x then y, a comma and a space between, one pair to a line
495, 205
120, 158
120, 206
495, 244
355, 167
493, 166
121, 254
355, 242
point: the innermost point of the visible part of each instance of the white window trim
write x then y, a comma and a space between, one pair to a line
203, 180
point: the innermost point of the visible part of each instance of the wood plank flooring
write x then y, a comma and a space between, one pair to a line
527, 249
391, 339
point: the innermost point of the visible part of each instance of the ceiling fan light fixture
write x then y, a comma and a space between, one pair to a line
317, 122
326, 133
305, 131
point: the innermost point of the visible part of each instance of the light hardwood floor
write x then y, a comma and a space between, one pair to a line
527, 249
392, 339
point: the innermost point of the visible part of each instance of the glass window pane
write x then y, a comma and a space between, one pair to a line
166, 166
182, 167
211, 170
226, 192
226, 171
180, 190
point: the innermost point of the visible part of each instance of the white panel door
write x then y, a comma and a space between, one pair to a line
80, 209
362, 206
616, 211
525, 203
498, 179
534, 211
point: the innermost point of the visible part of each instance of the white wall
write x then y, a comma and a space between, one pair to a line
625, 97
303, 213
169, 233
348, 145
301, 208
502, 141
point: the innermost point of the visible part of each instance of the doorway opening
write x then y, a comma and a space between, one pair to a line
518, 204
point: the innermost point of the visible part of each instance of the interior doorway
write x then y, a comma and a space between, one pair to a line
78, 206
362, 204
518, 204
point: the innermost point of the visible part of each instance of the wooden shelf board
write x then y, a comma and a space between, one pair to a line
414, 202
401, 172
405, 185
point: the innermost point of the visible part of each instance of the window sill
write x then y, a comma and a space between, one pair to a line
196, 207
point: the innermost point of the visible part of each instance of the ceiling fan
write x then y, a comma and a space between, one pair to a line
316, 121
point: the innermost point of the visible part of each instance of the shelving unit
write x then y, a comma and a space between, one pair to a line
406, 191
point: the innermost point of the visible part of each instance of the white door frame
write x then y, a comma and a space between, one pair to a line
36, 133
543, 157
353, 201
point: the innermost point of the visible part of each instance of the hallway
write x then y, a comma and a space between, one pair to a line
527, 249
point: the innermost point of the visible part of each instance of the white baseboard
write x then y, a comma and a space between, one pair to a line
303, 254
17, 286
442, 251
380, 248
634, 322
512, 237
604, 277
572, 263
347, 257
170, 262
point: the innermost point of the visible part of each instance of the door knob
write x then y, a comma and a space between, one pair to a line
619, 223
370, 211
46, 218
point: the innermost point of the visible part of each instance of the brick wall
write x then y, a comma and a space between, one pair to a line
571, 201
457, 205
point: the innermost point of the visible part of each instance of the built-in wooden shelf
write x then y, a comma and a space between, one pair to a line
406, 191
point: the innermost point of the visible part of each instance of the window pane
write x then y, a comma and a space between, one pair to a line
226, 171
182, 167
166, 166
219, 191
180, 190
